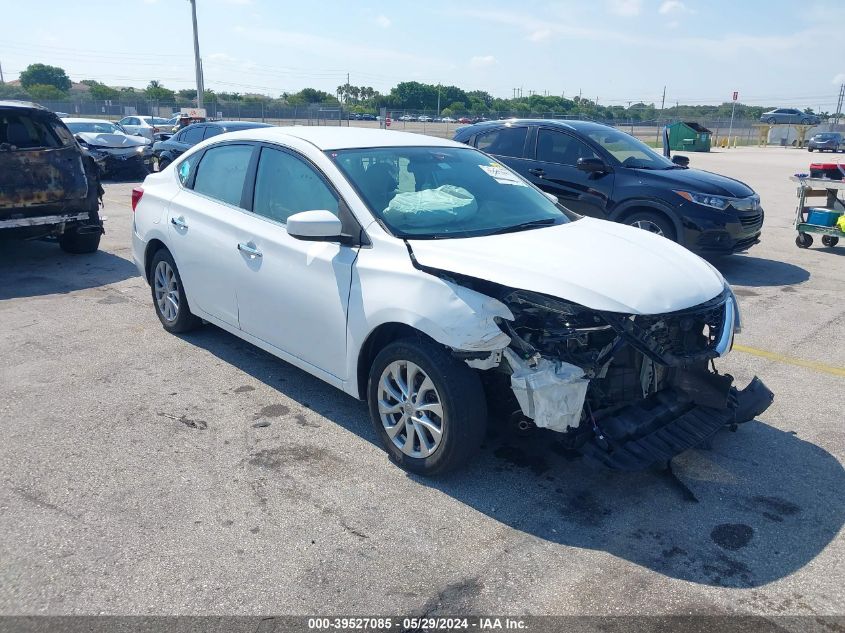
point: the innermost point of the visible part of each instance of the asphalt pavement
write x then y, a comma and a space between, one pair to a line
146, 473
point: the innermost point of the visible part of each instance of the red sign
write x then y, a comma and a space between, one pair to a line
387, 122
736, 95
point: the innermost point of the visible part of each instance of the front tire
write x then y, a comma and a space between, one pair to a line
162, 164
653, 223
427, 407
72, 241
171, 304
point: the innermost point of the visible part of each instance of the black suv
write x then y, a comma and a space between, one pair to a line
599, 171
49, 185
168, 150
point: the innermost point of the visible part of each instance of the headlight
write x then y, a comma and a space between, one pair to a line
705, 199
141, 149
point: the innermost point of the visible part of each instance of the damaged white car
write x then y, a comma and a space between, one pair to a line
425, 277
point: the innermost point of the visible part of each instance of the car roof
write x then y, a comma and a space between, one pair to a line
328, 138
236, 125
24, 105
569, 124
68, 119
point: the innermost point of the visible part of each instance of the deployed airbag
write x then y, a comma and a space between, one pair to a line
431, 207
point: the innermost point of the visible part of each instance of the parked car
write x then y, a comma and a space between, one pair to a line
183, 121
150, 127
407, 117
601, 172
49, 185
464, 120
413, 288
448, 119
424, 119
165, 152
368, 117
831, 141
113, 149
789, 115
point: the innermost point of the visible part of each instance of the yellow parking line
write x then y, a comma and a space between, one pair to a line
798, 362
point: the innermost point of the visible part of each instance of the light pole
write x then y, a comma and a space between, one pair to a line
197, 59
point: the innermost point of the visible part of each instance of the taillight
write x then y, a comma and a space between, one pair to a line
155, 130
137, 192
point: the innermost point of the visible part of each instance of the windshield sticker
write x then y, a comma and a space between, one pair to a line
502, 175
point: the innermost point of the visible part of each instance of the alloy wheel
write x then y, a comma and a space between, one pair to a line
648, 225
166, 289
410, 409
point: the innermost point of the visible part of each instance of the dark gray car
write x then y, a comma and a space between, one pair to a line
826, 141
790, 116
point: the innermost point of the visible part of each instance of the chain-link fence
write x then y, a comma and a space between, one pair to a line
741, 132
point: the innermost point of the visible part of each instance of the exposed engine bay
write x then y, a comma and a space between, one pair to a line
629, 391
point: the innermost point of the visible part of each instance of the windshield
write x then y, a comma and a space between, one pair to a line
629, 151
98, 127
826, 137
444, 192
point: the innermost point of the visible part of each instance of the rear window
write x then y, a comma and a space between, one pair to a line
26, 132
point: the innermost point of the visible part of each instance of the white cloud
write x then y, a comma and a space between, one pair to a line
540, 35
839, 79
383, 21
673, 6
625, 8
480, 61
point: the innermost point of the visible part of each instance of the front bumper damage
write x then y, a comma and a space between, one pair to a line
627, 391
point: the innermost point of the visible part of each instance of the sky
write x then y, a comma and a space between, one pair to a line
773, 52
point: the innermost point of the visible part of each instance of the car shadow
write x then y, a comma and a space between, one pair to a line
745, 270
753, 507
39, 267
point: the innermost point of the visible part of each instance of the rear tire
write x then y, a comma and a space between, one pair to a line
653, 223
72, 241
804, 240
830, 240
415, 387
169, 299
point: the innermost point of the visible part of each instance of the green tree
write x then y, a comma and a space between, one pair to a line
41, 74
12, 92
46, 92
99, 91
155, 90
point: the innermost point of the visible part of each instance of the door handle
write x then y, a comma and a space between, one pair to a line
537, 172
179, 222
244, 247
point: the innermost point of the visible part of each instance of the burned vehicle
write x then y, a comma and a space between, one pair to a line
428, 279
49, 185
115, 151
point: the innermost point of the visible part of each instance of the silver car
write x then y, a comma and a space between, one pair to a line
790, 116
831, 141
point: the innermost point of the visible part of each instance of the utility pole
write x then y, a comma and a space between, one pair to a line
438, 100
838, 112
2, 81
662, 103
197, 59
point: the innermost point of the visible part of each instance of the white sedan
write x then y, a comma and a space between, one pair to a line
425, 277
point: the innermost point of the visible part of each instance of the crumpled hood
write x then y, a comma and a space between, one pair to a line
112, 140
598, 264
698, 181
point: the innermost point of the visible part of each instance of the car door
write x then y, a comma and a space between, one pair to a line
189, 137
131, 124
204, 227
293, 294
555, 155
507, 143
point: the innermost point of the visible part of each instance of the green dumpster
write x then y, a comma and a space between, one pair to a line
688, 136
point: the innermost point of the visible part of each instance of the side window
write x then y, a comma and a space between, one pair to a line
285, 184
130, 121
222, 172
505, 141
193, 135
212, 130
560, 148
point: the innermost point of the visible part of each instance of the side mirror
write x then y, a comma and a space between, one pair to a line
551, 197
681, 161
315, 226
591, 165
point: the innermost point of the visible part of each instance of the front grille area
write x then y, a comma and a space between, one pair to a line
751, 220
676, 338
